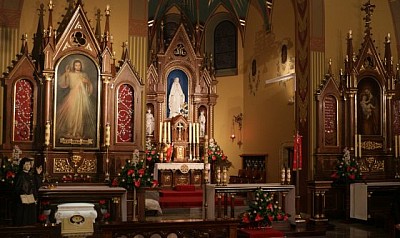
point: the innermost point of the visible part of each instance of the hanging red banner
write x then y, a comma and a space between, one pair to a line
300, 151
295, 149
297, 152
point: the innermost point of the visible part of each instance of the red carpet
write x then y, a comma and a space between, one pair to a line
176, 199
186, 199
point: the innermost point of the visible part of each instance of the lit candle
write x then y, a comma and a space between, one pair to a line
190, 133
108, 135
355, 145
398, 145
198, 132
194, 133
47, 134
283, 174
395, 146
169, 132
359, 146
160, 134
288, 176
165, 133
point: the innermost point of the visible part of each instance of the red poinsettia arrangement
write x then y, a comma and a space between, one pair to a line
136, 173
263, 210
216, 155
347, 169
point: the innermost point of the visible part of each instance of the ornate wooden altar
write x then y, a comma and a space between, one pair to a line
180, 59
177, 68
359, 110
69, 104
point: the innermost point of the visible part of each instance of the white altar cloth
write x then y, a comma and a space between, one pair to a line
359, 198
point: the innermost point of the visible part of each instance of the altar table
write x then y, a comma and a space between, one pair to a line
364, 195
170, 173
87, 193
285, 193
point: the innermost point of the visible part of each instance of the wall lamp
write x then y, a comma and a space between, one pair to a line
237, 119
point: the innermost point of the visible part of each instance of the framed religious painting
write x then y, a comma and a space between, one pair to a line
77, 100
177, 94
369, 108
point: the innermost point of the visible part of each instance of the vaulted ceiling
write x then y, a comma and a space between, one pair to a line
200, 11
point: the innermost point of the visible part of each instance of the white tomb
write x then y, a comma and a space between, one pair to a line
76, 217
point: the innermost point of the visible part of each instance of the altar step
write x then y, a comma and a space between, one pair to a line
187, 199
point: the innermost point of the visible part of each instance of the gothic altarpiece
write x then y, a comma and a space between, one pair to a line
70, 104
185, 125
359, 111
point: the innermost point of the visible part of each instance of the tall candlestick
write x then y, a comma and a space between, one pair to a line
396, 146
160, 134
190, 133
355, 145
108, 135
359, 145
47, 134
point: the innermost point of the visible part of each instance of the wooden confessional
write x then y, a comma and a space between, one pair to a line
360, 111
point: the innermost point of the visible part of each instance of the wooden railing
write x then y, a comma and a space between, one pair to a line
181, 228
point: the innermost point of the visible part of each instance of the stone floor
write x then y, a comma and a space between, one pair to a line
340, 228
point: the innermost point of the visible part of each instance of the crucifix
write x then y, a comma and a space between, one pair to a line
179, 126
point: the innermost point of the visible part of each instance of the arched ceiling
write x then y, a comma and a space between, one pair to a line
200, 11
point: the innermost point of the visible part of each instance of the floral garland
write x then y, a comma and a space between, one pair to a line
347, 169
263, 210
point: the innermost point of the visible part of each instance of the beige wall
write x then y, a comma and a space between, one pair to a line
268, 115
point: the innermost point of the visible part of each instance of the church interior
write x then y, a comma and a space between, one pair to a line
240, 115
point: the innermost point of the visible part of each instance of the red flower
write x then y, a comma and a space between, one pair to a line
246, 219
137, 183
279, 217
102, 202
114, 182
42, 217
155, 183
141, 171
10, 174
148, 158
130, 172
335, 175
270, 207
271, 218
214, 157
352, 176
106, 215
259, 217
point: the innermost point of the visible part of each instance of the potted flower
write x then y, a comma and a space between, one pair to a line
218, 160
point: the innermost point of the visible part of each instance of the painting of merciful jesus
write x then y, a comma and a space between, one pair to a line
76, 108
